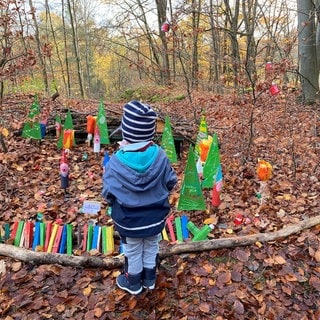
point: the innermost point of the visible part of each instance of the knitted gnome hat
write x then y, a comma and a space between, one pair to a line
138, 122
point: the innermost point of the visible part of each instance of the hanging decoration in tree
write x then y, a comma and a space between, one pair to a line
167, 141
274, 90
32, 128
202, 133
102, 124
165, 26
68, 125
269, 66
212, 164
191, 197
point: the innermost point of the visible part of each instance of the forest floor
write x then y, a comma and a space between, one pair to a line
265, 280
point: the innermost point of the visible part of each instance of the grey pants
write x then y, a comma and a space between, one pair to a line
140, 252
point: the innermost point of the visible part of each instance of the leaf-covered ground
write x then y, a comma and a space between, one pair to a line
277, 280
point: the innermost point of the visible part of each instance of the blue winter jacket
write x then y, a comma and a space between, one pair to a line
136, 183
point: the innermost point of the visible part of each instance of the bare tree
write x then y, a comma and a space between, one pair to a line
52, 35
15, 57
39, 49
162, 18
232, 28
249, 10
71, 11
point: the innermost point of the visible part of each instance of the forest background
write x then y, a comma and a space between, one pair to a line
220, 58
103, 49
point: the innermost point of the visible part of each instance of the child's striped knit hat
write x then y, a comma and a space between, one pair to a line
138, 122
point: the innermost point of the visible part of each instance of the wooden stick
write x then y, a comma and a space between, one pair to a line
117, 261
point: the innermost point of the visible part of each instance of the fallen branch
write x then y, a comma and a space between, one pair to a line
117, 261
35, 257
239, 241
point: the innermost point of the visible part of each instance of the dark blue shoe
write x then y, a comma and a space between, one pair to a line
130, 282
149, 278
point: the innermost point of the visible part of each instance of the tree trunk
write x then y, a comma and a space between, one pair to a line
317, 4
173, 64
215, 66
233, 32
56, 47
165, 70
39, 51
66, 58
169, 250
249, 10
75, 44
195, 36
309, 69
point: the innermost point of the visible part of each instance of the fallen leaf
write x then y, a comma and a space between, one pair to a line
238, 307
317, 255
204, 307
279, 260
16, 266
98, 312
315, 282
87, 291
60, 307
224, 277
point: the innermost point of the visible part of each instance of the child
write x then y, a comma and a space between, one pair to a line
136, 184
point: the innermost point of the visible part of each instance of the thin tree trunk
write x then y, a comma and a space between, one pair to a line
75, 45
195, 36
249, 10
216, 52
162, 17
173, 63
309, 69
66, 48
88, 58
38, 42
233, 32
26, 45
62, 73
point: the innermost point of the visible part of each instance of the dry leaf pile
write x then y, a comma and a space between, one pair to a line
264, 281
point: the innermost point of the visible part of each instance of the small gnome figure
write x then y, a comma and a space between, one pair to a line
96, 140
64, 171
